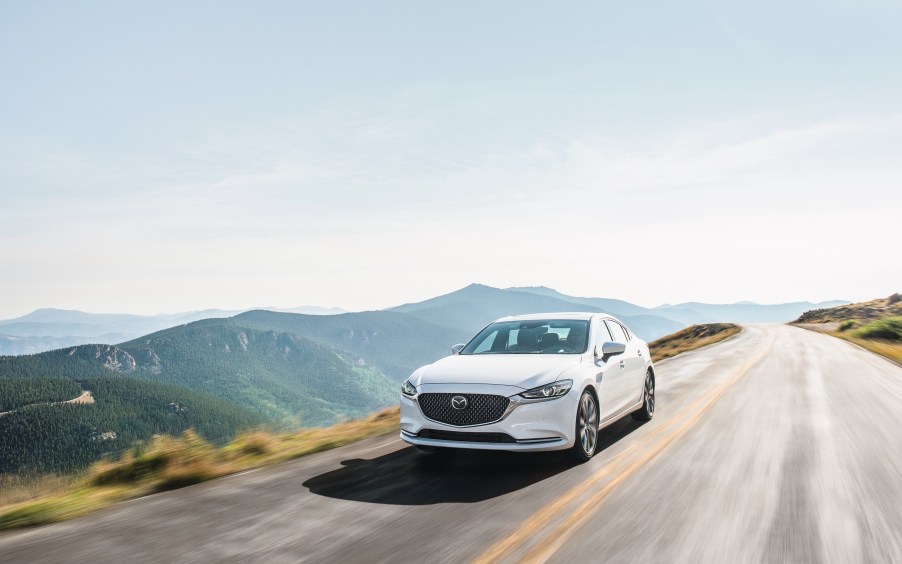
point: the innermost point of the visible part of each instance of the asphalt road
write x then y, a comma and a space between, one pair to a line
778, 445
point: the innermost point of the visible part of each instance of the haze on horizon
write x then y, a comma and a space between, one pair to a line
174, 157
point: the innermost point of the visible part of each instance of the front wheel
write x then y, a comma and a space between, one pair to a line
647, 411
586, 427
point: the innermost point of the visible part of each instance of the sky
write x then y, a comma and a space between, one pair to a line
173, 156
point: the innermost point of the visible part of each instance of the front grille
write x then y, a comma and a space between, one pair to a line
466, 437
481, 408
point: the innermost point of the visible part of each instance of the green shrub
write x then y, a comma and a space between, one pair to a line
847, 324
888, 329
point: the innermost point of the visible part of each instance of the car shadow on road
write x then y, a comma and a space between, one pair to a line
409, 477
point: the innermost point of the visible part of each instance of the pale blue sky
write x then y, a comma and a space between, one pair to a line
186, 155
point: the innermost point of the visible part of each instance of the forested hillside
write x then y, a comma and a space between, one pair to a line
166, 383
283, 376
396, 343
19, 392
280, 374
67, 437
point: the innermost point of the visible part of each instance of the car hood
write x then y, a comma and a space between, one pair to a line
521, 370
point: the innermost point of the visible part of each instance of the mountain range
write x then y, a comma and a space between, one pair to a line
285, 369
691, 313
467, 309
47, 329
476, 305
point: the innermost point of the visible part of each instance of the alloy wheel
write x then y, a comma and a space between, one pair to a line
649, 395
588, 424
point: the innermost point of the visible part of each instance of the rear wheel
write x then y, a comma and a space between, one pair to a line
647, 411
586, 427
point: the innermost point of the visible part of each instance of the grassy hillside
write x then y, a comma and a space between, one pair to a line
691, 338
875, 325
68, 437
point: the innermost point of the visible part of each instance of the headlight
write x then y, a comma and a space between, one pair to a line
550, 391
408, 389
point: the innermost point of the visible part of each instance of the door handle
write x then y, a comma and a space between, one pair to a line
622, 365
640, 352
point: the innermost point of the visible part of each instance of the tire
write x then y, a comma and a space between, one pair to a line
647, 411
586, 428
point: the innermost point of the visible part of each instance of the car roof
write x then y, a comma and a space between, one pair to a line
576, 315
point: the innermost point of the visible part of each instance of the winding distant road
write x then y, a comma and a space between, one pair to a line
84, 398
778, 445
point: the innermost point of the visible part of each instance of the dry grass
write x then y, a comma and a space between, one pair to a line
167, 463
860, 312
888, 349
873, 325
691, 338
16, 488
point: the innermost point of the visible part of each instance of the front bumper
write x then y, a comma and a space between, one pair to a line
533, 427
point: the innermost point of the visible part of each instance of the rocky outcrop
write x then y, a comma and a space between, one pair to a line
111, 358
147, 358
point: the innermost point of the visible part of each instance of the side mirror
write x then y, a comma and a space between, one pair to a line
457, 348
610, 349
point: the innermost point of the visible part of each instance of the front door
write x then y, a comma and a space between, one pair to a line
613, 372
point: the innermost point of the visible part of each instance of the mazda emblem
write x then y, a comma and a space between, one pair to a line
459, 402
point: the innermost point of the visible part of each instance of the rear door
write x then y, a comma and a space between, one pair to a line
635, 363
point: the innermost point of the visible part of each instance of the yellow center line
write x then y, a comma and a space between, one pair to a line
544, 550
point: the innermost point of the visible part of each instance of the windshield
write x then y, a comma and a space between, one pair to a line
540, 336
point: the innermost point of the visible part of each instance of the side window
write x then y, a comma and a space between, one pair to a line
616, 331
626, 332
602, 335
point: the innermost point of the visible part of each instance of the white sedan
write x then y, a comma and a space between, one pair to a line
531, 383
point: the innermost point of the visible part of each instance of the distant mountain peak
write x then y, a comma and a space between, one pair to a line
470, 289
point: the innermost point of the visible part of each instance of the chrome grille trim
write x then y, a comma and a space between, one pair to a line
482, 409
